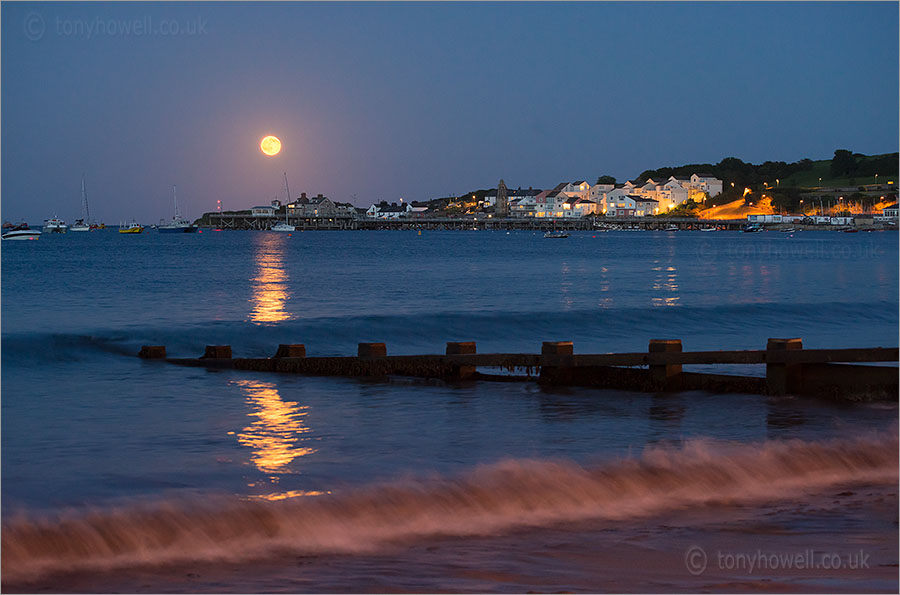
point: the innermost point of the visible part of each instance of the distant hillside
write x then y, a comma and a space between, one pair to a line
845, 169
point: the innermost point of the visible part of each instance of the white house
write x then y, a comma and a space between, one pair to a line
620, 204
549, 202
523, 207
579, 189
580, 207
383, 210
706, 183
671, 194
598, 192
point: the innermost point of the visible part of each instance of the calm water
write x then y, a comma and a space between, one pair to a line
169, 478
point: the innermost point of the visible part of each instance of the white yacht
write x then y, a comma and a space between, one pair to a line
284, 226
178, 224
84, 223
55, 225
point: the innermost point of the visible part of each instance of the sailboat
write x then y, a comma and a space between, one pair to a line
178, 224
284, 226
82, 224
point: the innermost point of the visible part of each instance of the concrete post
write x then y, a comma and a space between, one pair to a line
667, 377
291, 350
372, 350
782, 379
152, 352
217, 352
463, 348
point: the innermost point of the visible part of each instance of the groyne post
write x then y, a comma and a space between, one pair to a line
667, 377
291, 350
461, 348
557, 374
783, 378
371, 350
217, 352
152, 352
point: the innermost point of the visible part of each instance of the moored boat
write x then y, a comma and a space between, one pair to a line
84, 223
55, 225
283, 226
131, 228
556, 234
20, 232
178, 224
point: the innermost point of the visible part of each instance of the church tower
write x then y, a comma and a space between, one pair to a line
502, 206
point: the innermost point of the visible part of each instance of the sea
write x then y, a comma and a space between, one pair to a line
127, 475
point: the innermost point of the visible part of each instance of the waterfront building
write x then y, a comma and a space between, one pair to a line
319, 206
707, 183
263, 211
580, 207
383, 210
620, 204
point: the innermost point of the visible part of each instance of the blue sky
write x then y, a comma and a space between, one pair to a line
381, 101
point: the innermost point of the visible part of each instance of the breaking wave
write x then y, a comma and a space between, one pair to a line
488, 500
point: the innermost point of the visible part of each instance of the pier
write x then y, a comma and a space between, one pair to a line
790, 369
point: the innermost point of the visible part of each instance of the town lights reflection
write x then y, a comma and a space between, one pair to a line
275, 436
270, 284
666, 284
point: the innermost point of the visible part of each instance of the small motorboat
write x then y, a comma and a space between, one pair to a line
671, 228
788, 230
131, 228
281, 226
556, 234
20, 232
752, 228
707, 229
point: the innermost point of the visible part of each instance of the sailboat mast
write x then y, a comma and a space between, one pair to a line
288, 190
175, 199
86, 213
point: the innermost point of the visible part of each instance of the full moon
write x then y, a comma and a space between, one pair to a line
270, 145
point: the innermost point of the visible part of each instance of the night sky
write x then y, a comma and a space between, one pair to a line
382, 101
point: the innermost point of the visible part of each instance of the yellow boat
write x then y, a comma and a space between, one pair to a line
132, 227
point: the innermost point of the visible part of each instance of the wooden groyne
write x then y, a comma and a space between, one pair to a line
790, 369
